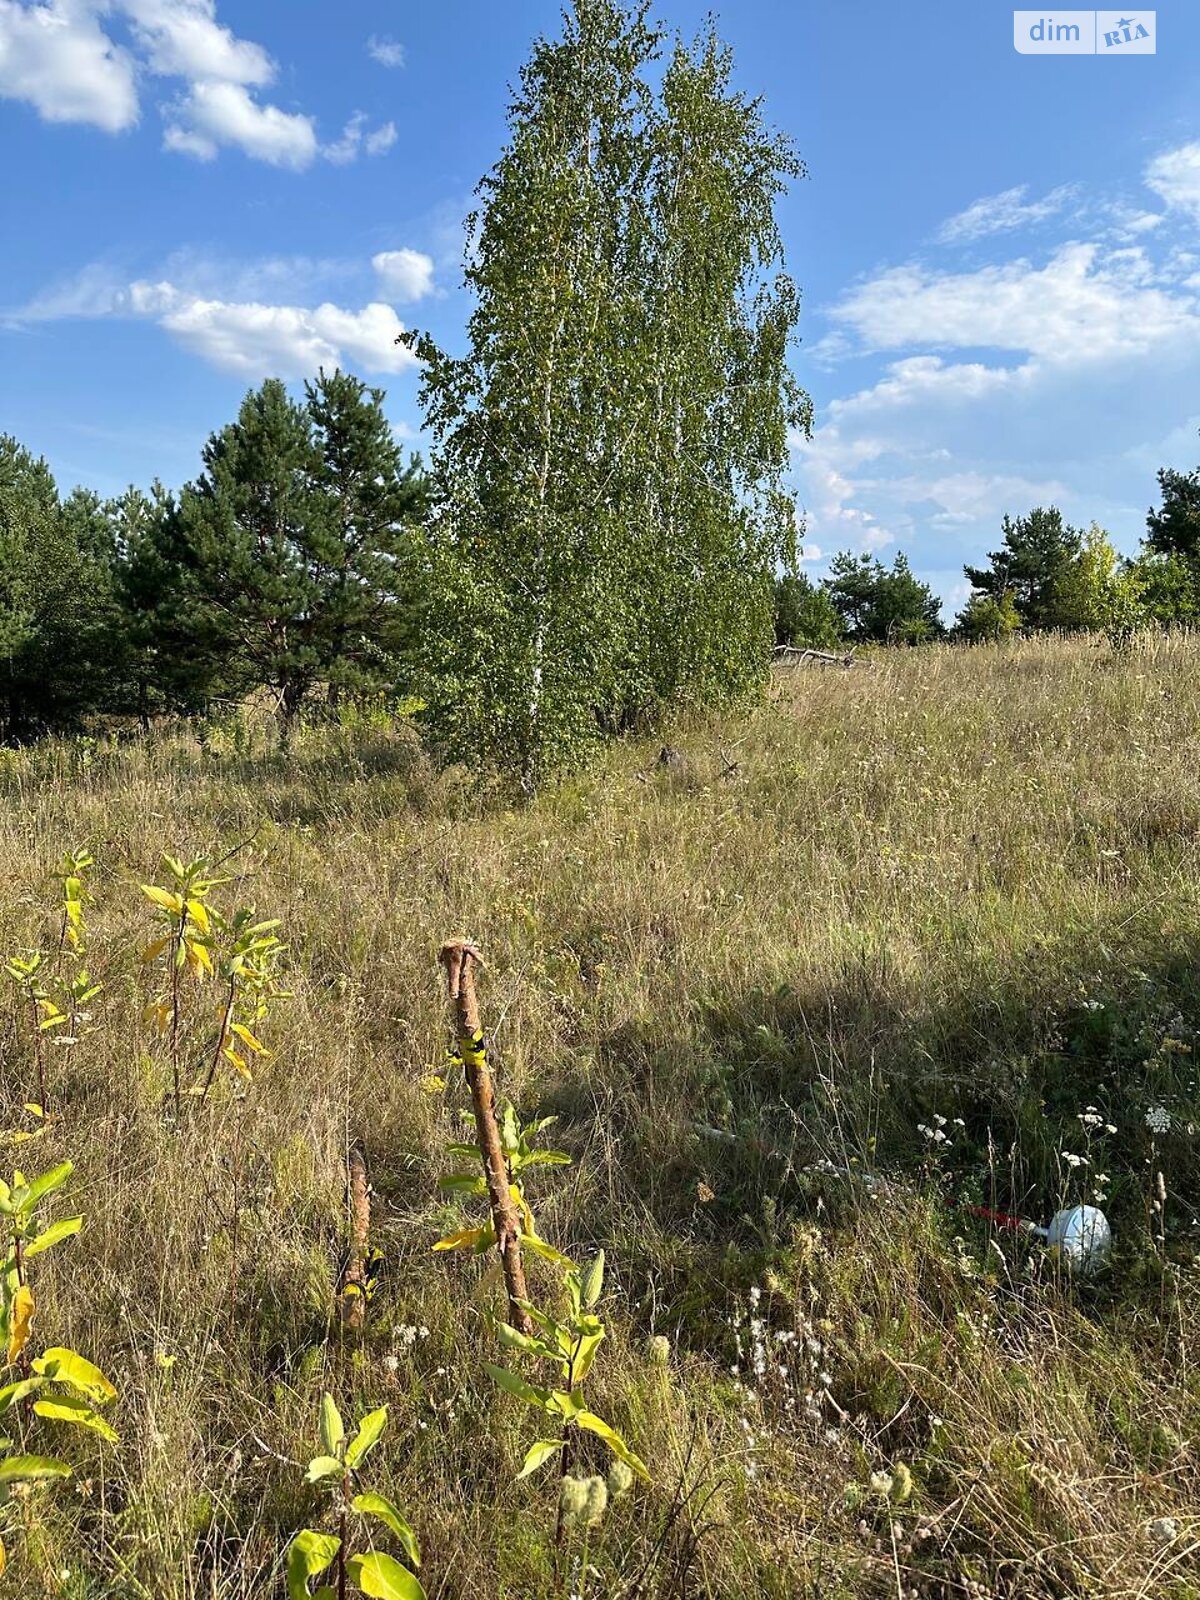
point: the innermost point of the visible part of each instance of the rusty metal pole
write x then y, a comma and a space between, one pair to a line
458, 957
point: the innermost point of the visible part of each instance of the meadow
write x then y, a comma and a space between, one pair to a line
903, 938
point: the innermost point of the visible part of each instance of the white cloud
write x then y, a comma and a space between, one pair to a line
182, 38
1000, 213
55, 55
57, 58
388, 52
355, 139
221, 313
404, 274
382, 140
1175, 175
213, 114
1084, 305
256, 340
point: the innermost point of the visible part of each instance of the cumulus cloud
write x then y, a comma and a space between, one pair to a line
213, 114
1085, 304
182, 38
404, 275
235, 328
56, 58
1175, 176
255, 340
388, 52
1001, 213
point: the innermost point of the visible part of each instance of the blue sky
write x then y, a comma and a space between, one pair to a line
999, 253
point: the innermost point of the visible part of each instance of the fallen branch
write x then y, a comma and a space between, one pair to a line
790, 655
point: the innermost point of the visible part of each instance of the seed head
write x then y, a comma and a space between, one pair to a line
596, 1501
658, 1350
573, 1499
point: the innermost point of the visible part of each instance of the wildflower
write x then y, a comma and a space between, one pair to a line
658, 1350
1073, 1160
902, 1483
1158, 1119
620, 1479
880, 1483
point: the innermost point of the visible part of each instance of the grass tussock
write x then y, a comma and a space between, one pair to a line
948, 884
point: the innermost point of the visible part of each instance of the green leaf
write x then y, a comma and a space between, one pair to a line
376, 1505
322, 1467
384, 1578
369, 1430
614, 1441
537, 1455
29, 1469
546, 1251
585, 1354
332, 1428
67, 1366
65, 1408
591, 1280
463, 1183
13, 1393
567, 1405
309, 1554
516, 1385
47, 1184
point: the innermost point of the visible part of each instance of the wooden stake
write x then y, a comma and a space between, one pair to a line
353, 1296
458, 958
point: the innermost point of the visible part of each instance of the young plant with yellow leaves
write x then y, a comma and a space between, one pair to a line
249, 954
60, 1385
54, 1000
520, 1154
184, 918
311, 1553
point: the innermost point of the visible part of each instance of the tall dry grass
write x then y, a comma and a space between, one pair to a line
955, 883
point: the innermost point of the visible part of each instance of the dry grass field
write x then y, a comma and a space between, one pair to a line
958, 884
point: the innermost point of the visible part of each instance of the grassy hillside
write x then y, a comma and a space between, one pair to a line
947, 884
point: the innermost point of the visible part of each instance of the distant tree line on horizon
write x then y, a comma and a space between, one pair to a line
1046, 576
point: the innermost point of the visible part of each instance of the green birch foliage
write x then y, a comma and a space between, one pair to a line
720, 317
609, 448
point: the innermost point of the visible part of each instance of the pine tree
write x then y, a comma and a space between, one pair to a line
365, 540
1036, 552
291, 562
57, 611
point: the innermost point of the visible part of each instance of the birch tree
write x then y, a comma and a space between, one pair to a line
610, 448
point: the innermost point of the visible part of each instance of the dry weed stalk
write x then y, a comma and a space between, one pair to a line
458, 957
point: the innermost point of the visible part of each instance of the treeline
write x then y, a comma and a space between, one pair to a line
294, 560
1046, 575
